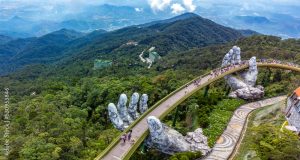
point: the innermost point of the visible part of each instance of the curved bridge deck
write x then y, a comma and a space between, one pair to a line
117, 150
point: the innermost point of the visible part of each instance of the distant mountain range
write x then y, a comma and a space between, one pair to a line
68, 46
4, 39
281, 22
110, 17
19, 52
275, 24
106, 17
252, 19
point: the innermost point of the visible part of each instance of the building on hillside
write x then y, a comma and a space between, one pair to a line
154, 56
129, 43
292, 111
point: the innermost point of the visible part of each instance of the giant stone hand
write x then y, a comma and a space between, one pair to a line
121, 116
132, 108
143, 103
243, 85
250, 76
170, 141
114, 117
122, 108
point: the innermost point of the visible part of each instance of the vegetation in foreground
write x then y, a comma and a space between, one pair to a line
264, 140
211, 113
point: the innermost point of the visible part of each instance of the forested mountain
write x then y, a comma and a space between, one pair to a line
59, 109
4, 39
17, 53
179, 33
181, 17
184, 33
248, 32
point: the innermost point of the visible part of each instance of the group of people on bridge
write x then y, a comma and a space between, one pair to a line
226, 68
216, 72
127, 137
273, 61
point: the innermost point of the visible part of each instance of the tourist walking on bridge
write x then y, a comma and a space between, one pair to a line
123, 138
129, 135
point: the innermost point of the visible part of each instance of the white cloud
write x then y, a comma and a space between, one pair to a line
189, 5
251, 2
177, 8
159, 5
139, 9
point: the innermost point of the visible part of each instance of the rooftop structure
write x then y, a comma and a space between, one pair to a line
292, 111
153, 56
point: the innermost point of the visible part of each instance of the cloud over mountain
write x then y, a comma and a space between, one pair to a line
159, 5
189, 5
176, 6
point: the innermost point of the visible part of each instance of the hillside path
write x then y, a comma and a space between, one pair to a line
229, 141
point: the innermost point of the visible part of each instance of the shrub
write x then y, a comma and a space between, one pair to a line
186, 156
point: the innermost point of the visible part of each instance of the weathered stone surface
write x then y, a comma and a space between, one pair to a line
169, 141
236, 57
235, 83
232, 57
226, 59
132, 108
114, 117
248, 93
198, 141
143, 103
250, 76
122, 109
121, 116
243, 85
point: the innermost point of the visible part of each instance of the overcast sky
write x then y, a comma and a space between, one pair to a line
9, 8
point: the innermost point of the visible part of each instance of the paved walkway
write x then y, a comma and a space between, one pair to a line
119, 150
226, 144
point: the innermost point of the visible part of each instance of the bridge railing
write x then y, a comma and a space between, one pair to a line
274, 61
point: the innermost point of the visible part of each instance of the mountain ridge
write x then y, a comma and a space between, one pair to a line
173, 19
66, 47
42, 49
5, 39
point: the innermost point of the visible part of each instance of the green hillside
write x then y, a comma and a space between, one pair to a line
58, 110
15, 54
181, 33
4, 39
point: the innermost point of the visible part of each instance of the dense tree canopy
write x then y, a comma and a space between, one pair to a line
66, 118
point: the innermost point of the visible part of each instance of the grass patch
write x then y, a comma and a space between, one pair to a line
219, 118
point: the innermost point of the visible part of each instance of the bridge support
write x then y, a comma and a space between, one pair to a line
206, 91
175, 118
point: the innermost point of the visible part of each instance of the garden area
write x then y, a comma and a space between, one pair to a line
264, 139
